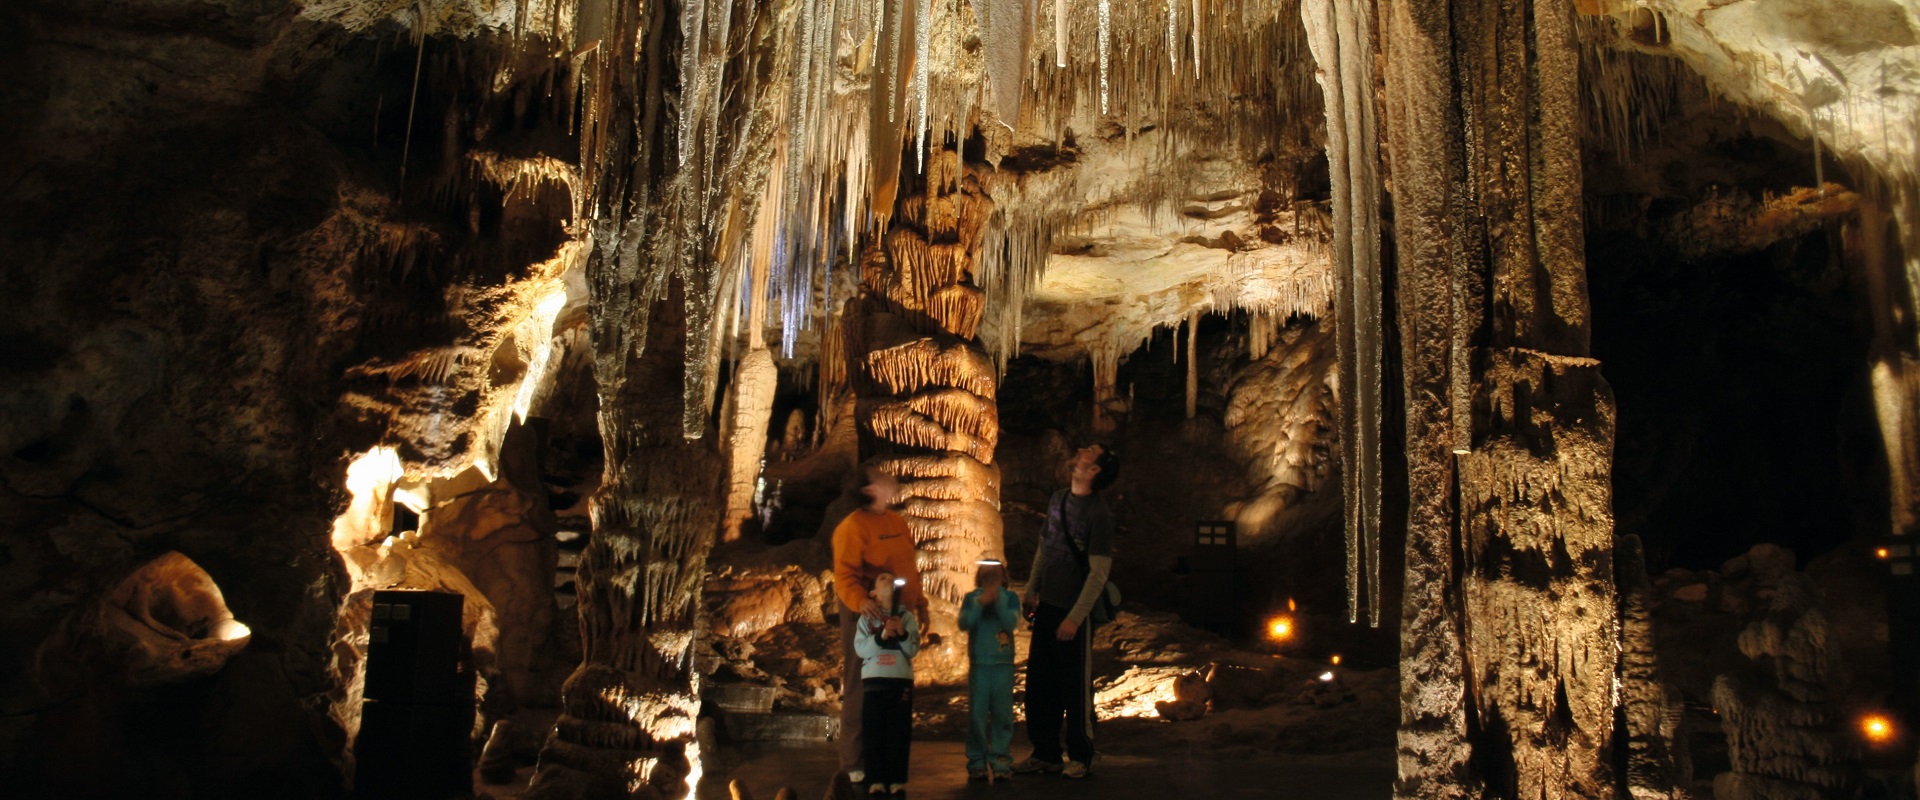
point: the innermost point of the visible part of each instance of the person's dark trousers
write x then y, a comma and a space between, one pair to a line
1059, 688
850, 693
887, 722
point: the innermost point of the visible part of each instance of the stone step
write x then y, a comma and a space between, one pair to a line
777, 726
747, 697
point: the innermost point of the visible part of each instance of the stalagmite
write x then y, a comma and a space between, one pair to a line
1657, 765
754, 382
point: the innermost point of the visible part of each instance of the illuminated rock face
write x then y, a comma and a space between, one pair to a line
167, 622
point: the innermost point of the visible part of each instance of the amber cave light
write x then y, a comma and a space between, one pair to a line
1877, 728
1880, 553
1280, 628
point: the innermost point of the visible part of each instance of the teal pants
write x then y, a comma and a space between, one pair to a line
990, 717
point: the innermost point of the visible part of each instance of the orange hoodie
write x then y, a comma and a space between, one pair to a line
866, 544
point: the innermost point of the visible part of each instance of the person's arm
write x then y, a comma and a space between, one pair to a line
866, 643
970, 610
848, 562
1099, 562
910, 643
1006, 609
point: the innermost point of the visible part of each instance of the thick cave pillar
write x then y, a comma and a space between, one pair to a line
1510, 647
628, 710
925, 388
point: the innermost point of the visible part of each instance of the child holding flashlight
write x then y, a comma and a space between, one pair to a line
886, 646
989, 615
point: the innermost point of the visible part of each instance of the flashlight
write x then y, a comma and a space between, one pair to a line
899, 582
988, 562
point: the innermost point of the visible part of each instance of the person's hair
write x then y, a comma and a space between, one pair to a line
981, 571
1109, 464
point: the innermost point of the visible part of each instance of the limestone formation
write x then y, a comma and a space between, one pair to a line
926, 387
1785, 736
325, 297
164, 623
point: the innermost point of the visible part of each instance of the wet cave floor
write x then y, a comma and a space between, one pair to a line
939, 771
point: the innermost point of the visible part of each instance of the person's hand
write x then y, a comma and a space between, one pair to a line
894, 629
987, 597
1028, 605
871, 608
1066, 631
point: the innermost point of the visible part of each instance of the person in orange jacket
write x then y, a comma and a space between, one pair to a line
871, 541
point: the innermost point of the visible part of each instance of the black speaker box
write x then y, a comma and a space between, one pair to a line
415, 648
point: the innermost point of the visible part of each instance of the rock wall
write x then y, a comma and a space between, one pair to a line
219, 286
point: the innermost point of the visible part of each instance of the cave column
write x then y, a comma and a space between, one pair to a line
1481, 111
628, 710
925, 388
751, 407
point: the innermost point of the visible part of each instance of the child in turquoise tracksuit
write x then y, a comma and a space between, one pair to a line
990, 614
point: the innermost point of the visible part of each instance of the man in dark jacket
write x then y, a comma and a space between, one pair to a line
1069, 574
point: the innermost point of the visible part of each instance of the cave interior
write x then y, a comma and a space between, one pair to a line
1512, 399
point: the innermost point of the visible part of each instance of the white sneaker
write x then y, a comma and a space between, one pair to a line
1074, 769
857, 776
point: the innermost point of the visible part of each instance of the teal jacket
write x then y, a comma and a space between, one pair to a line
990, 628
886, 658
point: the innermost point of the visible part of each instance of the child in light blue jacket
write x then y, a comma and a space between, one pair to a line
990, 614
886, 647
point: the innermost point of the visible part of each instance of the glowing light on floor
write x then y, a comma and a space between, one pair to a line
1326, 676
1877, 728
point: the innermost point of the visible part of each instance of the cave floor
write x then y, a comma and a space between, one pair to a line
939, 773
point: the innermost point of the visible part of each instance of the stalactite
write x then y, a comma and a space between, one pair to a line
1341, 36
1173, 38
1060, 34
922, 63
1106, 35
1193, 365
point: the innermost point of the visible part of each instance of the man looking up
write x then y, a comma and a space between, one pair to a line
1069, 574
